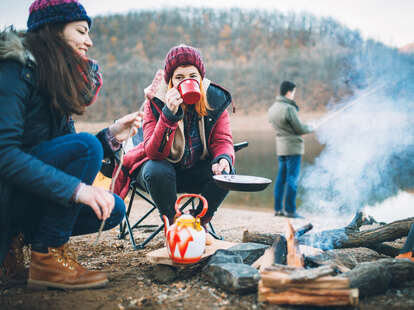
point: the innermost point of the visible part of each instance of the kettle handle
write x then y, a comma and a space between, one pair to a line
205, 204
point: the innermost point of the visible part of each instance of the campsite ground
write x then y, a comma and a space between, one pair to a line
132, 285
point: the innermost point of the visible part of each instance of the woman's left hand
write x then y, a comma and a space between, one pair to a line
218, 168
120, 129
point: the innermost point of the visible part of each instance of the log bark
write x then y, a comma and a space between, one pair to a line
375, 278
343, 259
385, 249
280, 280
341, 238
259, 237
347, 237
307, 296
311, 274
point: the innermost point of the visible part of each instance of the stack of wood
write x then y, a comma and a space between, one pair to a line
294, 285
281, 284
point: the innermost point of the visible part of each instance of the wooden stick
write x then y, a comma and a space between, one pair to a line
111, 188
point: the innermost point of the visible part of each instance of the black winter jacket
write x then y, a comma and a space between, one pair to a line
26, 120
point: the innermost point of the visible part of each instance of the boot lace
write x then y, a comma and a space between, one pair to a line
66, 256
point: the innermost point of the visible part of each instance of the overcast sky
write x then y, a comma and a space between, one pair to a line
390, 21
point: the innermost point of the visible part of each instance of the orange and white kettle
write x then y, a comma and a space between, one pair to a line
186, 238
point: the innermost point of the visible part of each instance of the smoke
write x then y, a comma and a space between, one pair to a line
369, 146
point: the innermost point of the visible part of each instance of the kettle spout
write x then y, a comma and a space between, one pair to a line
166, 224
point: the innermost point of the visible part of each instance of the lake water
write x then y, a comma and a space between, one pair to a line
259, 159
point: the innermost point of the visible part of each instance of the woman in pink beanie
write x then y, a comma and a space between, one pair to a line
46, 168
184, 144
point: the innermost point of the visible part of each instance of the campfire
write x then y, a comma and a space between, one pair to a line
326, 268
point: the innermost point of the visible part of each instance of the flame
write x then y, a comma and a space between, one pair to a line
294, 257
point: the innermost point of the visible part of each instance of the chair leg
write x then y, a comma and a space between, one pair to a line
123, 225
144, 243
212, 232
159, 229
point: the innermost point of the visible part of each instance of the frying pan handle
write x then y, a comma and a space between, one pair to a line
205, 204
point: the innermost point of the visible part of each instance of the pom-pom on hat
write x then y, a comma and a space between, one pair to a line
182, 55
43, 12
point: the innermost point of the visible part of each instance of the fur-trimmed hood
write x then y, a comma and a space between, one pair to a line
12, 47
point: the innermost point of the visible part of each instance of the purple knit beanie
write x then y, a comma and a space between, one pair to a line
182, 55
55, 11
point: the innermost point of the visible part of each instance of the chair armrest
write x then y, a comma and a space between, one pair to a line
240, 145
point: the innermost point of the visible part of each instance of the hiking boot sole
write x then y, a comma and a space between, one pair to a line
47, 284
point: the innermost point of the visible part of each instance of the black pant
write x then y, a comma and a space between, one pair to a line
163, 181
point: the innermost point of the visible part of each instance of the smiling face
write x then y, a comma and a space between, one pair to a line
76, 34
185, 72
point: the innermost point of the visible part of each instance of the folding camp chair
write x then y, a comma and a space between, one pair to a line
126, 228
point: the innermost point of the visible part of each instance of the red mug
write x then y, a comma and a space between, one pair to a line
189, 90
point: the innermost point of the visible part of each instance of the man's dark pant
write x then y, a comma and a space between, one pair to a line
51, 223
287, 182
163, 181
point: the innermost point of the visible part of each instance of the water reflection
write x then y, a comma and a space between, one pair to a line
260, 159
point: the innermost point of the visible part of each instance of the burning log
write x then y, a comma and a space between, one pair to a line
292, 284
318, 297
294, 256
296, 286
343, 238
269, 238
259, 237
275, 254
343, 260
347, 237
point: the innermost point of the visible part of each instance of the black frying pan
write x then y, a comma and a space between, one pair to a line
241, 183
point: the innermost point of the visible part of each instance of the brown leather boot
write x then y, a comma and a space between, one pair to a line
59, 269
12, 269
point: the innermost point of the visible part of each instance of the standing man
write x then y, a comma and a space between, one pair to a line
283, 115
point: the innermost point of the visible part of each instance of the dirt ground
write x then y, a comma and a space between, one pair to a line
132, 285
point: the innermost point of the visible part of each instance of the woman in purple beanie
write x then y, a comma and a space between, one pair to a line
46, 168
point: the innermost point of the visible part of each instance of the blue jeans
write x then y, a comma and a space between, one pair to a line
287, 181
51, 223
163, 181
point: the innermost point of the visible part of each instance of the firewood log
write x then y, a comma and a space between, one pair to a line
339, 238
375, 278
299, 296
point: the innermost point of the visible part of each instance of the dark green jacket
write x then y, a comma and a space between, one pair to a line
283, 115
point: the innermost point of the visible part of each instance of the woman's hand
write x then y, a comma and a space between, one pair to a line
173, 100
218, 168
100, 200
120, 129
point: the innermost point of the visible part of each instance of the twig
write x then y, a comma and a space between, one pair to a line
111, 188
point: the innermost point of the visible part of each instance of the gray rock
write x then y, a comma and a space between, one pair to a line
249, 251
225, 256
235, 278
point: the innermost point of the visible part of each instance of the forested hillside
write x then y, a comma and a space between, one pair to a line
249, 52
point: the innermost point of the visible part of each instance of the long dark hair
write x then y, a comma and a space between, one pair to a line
61, 72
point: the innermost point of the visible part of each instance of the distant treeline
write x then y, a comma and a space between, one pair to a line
249, 52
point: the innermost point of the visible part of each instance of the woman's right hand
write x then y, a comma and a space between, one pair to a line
100, 200
173, 100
